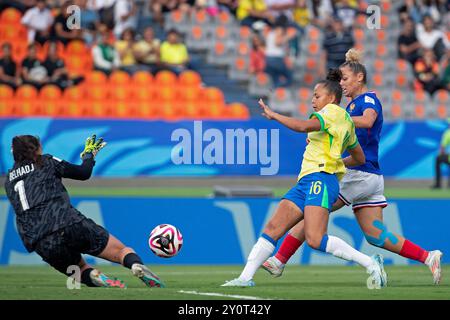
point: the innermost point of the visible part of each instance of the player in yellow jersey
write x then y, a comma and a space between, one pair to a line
331, 132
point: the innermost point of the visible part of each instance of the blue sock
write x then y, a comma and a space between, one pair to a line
268, 238
323, 243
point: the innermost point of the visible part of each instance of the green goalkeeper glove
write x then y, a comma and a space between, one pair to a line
92, 146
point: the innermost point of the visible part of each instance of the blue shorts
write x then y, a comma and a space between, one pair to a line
316, 189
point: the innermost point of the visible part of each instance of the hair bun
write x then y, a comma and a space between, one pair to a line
334, 75
353, 55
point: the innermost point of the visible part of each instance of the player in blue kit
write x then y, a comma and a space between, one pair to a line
362, 186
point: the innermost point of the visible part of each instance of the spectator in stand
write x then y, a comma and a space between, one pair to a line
335, 44
90, 20
302, 14
276, 52
443, 157
38, 21
410, 10
21, 5
432, 38
346, 13
147, 50
174, 54
124, 16
105, 9
257, 55
57, 71
125, 48
229, 5
61, 31
408, 45
446, 73
427, 72
33, 70
159, 7
9, 73
105, 56
251, 11
431, 8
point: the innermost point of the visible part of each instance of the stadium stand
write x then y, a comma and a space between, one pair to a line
219, 51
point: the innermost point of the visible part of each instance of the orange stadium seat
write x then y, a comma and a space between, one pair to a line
379, 65
99, 92
120, 92
311, 64
386, 6
143, 93
402, 65
401, 80
358, 34
142, 78
176, 16
167, 93
243, 49
378, 79
313, 34
381, 35
189, 78
119, 78
224, 17
6, 92
6, 107
313, 48
26, 92
384, 21
76, 47
74, 93
200, 16
197, 32
381, 50
50, 92
397, 96
190, 93
219, 48
238, 111
51, 108
361, 20
396, 111
309, 78
26, 107
222, 33
262, 79
165, 78
10, 16
420, 96
213, 94
74, 108
95, 78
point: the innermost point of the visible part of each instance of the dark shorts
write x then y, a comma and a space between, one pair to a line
64, 247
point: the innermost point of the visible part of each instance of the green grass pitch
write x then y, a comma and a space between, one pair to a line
298, 282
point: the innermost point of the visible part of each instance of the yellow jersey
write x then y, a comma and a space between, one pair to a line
325, 149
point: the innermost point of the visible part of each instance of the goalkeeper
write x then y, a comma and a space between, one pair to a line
49, 225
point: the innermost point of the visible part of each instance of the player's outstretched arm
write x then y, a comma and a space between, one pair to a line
84, 171
292, 123
367, 120
356, 157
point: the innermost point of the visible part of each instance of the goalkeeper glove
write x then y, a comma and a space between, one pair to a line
92, 146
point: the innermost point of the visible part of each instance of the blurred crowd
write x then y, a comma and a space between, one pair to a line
110, 28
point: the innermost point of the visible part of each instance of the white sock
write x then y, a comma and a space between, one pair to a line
261, 251
341, 249
277, 262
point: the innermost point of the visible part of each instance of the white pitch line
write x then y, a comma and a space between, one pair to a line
214, 294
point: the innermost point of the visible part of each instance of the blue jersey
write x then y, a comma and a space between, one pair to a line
369, 139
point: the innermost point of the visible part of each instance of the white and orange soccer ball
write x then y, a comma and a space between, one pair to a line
165, 241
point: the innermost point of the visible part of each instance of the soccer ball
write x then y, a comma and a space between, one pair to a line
165, 241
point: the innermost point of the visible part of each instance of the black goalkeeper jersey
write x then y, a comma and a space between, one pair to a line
39, 198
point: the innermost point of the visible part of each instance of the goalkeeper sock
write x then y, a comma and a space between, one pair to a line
261, 251
86, 277
288, 248
131, 259
339, 248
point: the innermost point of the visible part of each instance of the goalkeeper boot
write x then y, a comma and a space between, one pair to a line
274, 267
149, 278
433, 262
239, 283
99, 279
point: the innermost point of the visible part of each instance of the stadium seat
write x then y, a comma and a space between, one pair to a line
51, 108
281, 101
213, 95
225, 19
26, 92
6, 107
6, 92
50, 92
304, 109
237, 111
442, 111
219, 55
176, 19
396, 111
76, 48
192, 93
74, 108
442, 96
120, 92
10, 16
74, 93
243, 49
419, 111
304, 94
167, 93
143, 93
142, 78
165, 78
95, 78
197, 38
189, 78
260, 85
119, 78
313, 49
98, 92
401, 81
245, 33
239, 69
